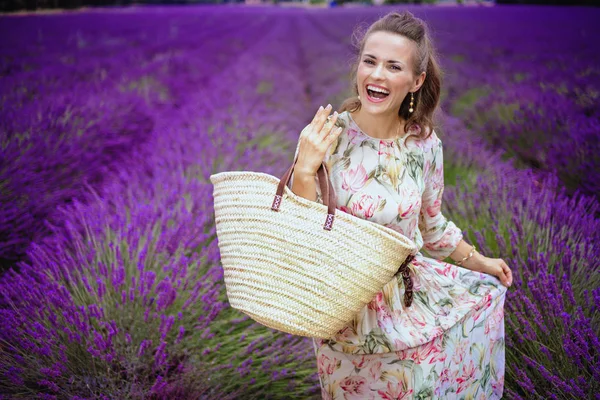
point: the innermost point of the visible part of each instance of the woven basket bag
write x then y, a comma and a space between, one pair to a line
296, 265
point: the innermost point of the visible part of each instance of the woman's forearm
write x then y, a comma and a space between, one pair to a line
304, 185
462, 250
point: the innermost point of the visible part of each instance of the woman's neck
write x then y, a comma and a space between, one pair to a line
380, 126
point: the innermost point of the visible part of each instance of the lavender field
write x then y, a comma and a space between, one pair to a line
112, 120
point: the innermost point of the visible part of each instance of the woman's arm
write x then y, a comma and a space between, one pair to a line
304, 184
480, 263
441, 237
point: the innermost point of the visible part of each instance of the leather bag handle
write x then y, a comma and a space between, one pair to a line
327, 191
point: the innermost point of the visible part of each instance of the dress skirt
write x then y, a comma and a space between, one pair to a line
467, 361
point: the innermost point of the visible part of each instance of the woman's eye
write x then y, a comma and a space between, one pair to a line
369, 61
396, 68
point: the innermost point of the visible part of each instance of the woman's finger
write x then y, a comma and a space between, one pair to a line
334, 134
313, 123
507, 272
329, 124
504, 274
502, 277
321, 119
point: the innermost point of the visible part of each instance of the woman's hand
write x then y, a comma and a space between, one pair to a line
314, 141
496, 267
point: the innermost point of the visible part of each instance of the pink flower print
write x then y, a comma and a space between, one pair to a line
327, 366
498, 386
426, 167
386, 149
355, 387
354, 136
427, 144
468, 374
416, 280
432, 350
437, 333
445, 381
375, 371
344, 334
360, 363
395, 391
400, 347
447, 269
365, 207
345, 209
481, 307
447, 241
354, 179
419, 321
445, 310
494, 320
376, 302
410, 202
385, 320
410, 229
435, 208
396, 228
460, 351
437, 178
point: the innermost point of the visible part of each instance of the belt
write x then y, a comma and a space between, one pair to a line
408, 283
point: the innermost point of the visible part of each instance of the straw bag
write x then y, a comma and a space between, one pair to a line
296, 265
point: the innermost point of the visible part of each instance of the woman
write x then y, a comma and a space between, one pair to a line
386, 165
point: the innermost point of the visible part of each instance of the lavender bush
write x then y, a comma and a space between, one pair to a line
552, 314
75, 104
122, 294
532, 90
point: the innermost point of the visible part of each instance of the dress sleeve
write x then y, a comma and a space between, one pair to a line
319, 196
440, 236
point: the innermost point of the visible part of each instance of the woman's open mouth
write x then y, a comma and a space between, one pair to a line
376, 94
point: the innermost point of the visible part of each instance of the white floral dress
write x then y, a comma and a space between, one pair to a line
450, 342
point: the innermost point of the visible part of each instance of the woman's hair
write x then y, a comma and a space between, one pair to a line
428, 95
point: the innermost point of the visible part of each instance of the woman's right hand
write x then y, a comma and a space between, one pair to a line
315, 139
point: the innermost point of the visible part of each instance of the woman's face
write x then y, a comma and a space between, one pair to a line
386, 62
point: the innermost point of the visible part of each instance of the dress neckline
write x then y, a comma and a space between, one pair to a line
374, 138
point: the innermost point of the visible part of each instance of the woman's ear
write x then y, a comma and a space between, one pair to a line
419, 82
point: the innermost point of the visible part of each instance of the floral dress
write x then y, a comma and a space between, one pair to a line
449, 344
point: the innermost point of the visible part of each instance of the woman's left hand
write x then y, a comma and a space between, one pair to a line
498, 268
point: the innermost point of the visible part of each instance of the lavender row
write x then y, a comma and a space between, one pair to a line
532, 89
549, 239
76, 102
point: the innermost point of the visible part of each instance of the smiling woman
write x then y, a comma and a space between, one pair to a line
446, 339
387, 81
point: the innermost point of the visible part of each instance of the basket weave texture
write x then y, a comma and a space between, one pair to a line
284, 270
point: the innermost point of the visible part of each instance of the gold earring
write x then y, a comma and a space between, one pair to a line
412, 99
359, 97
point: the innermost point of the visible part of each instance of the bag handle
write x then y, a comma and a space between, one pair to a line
327, 191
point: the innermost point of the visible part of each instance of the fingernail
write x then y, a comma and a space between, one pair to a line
321, 108
335, 113
328, 105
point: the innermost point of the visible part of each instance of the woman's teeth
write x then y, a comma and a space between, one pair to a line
376, 89
376, 93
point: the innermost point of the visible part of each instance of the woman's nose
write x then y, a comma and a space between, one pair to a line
378, 71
